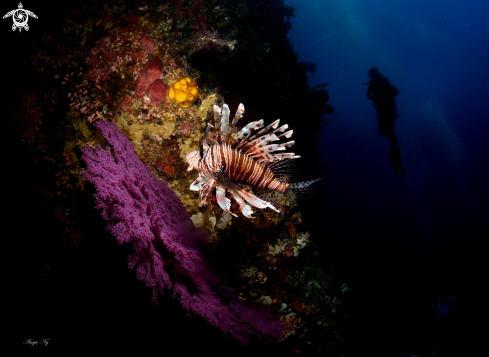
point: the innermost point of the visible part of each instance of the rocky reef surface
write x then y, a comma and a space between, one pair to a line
120, 62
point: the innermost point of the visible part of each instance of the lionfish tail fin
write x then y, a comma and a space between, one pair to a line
304, 186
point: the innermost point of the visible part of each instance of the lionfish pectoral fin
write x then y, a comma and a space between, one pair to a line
223, 181
257, 202
205, 192
240, 194
245, 209
222, 200
200, 181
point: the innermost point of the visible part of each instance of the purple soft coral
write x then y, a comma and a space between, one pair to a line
144, 211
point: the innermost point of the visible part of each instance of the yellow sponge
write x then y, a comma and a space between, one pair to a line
184, 91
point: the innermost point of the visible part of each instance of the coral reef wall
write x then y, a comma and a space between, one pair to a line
96, 71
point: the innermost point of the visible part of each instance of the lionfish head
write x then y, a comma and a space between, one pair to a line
192, 159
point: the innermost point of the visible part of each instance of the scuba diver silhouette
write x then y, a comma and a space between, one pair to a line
382, 92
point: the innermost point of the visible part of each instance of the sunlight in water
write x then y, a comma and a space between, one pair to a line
445, 139
447, 146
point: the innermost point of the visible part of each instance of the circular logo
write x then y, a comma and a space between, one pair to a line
20, 17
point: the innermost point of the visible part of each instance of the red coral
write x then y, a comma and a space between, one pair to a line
147, 45
185, 129
169, 171
156, 92
289, 253
163, 162
101, 59
151, 71
126, 104
132, 22
108, 55
149, 85
297, 306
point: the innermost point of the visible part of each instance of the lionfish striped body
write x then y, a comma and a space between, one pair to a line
242, 157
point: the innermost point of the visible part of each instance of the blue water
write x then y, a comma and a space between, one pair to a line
405, 233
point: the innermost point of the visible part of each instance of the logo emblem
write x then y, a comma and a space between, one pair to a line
20, 17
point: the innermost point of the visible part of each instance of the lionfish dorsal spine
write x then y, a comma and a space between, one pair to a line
225, 130
239, 114
203, 141
271, 126
217, 115
277, 157
280, 129
217, 118
287, 134
273, 147
242, 137
260, 142
274, 125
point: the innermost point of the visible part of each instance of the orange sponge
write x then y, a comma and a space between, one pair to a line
184, 91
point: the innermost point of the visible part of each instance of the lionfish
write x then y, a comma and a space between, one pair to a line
245, 157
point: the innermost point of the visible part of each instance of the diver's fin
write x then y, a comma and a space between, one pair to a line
395, 158
399, 168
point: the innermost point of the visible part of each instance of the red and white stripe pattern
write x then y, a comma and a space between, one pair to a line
240, 157
240, 167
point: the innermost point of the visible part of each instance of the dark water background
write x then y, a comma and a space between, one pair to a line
404, 241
